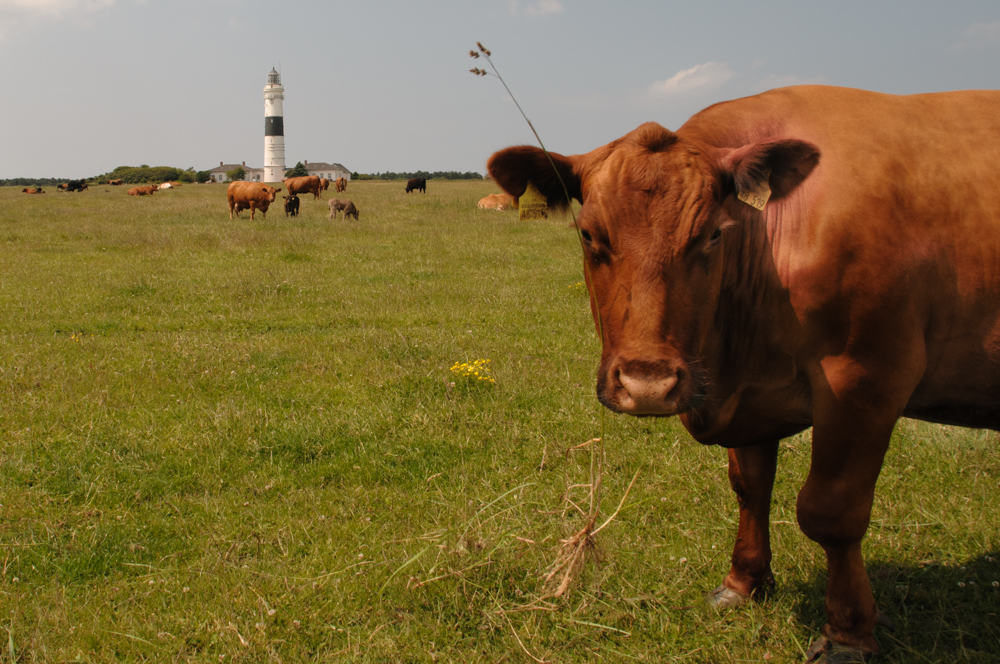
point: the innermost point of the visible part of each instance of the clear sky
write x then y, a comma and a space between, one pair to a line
381, 85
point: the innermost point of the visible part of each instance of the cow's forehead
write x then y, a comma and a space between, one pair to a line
627, 173
650, 196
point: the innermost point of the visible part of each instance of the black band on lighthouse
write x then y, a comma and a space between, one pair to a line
274, 126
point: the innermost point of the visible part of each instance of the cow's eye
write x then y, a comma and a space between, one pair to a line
716, 234
586, 235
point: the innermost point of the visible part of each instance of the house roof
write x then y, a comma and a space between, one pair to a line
228, 167
323, 166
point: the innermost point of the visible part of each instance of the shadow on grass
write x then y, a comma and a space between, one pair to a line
942, 612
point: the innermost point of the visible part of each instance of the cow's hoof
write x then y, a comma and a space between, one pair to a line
725, 598
825, 651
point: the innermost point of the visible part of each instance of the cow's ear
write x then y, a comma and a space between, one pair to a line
513, 168
779, 165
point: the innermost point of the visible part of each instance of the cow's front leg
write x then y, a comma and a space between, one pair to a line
751, 474
852, 426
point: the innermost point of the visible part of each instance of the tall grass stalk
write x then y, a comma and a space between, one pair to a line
573, 553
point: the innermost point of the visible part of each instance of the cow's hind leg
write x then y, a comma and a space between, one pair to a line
751, 475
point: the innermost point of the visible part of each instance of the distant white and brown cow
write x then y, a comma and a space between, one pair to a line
499, 202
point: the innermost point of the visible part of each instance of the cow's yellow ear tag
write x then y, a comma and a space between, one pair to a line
757, 198
532, 204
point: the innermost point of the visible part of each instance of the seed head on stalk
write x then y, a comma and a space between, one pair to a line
571, 558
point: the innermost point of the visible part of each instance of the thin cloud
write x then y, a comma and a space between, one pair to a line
537, 8
700, 78
15, 13
979, 35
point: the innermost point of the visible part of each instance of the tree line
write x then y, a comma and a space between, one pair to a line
439, 175
146, 174
32, 182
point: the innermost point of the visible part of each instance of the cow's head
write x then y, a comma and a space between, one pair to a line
659, 222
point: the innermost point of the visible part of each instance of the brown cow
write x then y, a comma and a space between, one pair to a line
859, 282
251, 196
142, 191
416, 183
338, 204
306, 184
341, 185
324, 184
34, 190
499, 202
115, 182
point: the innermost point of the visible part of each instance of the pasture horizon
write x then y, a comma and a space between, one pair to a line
244, 439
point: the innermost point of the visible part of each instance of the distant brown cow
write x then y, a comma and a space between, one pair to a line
307, 184
62, 187
142, 191
251, 196
416, 183
324, 184
341, 185
338, 204
37, 190
499, 202
115, 182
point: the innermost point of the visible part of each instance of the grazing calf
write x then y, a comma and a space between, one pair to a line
338, 204
291, 205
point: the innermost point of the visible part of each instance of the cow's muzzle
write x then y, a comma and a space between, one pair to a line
642, 387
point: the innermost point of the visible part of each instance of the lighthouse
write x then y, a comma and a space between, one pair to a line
274, 129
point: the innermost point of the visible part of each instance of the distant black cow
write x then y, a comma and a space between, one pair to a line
291, 205
76, 185
416, 183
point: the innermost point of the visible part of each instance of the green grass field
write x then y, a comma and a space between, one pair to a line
241, 441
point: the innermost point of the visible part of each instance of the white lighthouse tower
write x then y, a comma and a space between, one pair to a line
274, 129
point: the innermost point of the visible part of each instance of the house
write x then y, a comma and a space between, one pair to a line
318, 168
253, 174
325, 170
